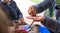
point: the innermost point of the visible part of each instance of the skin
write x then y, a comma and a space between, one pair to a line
36, 18
32, 12
7, 1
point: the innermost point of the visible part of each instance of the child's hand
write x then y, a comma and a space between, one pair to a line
21, 21
32, 11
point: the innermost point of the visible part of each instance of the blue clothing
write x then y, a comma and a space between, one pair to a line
13, 11
43, 30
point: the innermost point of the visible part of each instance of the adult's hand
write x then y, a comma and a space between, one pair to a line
37, 18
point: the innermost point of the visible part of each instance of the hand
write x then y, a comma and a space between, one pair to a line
21, 21
37, 18
32, 11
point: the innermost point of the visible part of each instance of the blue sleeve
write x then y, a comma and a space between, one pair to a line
43, 5
19, 14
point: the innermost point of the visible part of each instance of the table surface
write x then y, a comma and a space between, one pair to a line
33, 30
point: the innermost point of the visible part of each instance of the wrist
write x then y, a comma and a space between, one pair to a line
43, 19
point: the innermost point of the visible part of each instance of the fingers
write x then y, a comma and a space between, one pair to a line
30, 17
33, 18
36, 18
32, 11
20, 20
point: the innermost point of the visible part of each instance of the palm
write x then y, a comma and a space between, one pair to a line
36, 18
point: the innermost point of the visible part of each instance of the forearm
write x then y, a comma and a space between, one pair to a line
43, 6
51, 24
20, 15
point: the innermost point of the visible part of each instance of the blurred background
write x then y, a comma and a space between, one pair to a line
24, 5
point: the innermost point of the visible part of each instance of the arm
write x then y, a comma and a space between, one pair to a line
43, 5
19, 14
51, 24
